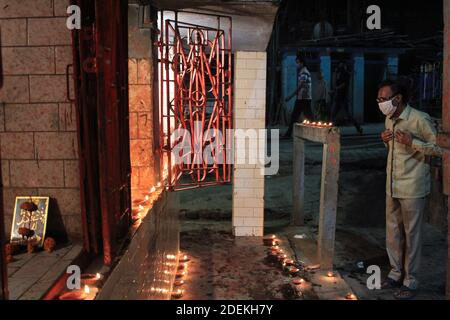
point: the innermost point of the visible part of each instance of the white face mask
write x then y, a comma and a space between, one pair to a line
387, 107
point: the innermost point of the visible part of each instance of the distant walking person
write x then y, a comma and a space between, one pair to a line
303, 92
322, 112
410, 137
340, 94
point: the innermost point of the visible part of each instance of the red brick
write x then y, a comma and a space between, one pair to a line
31, 117
134, 177
5, 173
71, 174
145, 177
15, 89
63, 57
67, 200
32, 173
140, 151
72, 225
28, 60
48, 88
133, 125
145, 125
56, 145
143, 71
61, 7
67, 117
48, 31
26, 8
17, 145
14, 32
2, 117
139, 98
132, 71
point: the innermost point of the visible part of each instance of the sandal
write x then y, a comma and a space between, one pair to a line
405, 293
390, 284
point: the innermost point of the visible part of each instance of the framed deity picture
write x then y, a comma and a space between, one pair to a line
29, 220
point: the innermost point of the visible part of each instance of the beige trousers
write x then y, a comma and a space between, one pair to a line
404, 224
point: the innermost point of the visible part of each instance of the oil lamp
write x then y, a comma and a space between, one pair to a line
184, 258
90, 278
177, 294
350, 296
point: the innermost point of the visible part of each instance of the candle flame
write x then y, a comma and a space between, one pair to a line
330, 274
98, 276
86, 289
153, 189
159, 184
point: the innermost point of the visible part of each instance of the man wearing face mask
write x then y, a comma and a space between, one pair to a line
410, 137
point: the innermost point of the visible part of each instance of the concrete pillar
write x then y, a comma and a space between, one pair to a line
328, 201
325, 66
249, 117
330, 138
391, 70
288, 78
141, 76
444, 138
358, 87
298, 185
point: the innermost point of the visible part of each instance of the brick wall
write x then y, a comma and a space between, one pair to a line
39, 147
249, 113
140, 68
141, 125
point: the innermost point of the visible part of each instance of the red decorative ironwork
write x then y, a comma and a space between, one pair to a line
195, 95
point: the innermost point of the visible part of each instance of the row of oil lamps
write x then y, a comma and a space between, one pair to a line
289, 264
319, 124
89, 291
182, 271
143, 204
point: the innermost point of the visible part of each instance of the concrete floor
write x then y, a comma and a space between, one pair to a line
228, 268
206, 226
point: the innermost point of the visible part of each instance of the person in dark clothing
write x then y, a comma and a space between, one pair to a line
340, 94
303, 93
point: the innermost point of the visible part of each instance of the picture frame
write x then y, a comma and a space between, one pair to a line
37, 222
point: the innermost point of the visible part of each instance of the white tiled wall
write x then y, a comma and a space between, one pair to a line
249, 113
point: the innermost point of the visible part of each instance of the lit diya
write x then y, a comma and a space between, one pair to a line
350, 296
275, 248
177, 294
293, 270
330, 274
180, 274
184, 258
76, 294
90, 278
178, 282
269, 240
282, 257
182, 266
289, 262
298, 281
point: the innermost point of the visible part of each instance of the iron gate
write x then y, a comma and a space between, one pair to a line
195, 100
